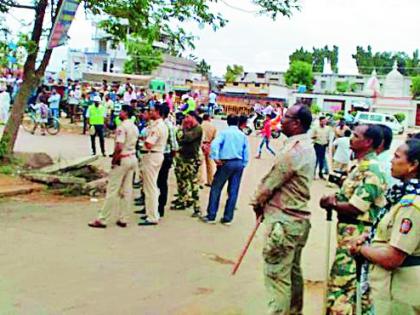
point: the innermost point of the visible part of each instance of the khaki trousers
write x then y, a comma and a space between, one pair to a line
150, 168
119, 190
210, 168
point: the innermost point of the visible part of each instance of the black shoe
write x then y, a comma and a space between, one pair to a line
207, 220
224, 222
178, 207
140, 211
121, 224
196, 214
147, 223
143, 217
136, 186
139, 203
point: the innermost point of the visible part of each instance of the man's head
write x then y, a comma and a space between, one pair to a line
322, 121
154, 112
232, 120
366, 138
54, 91
97, 100
242, 121
190, 120
347, 133
164, 110
206, 117
133, 103
126, 112
170, 93
387, 139
297, 120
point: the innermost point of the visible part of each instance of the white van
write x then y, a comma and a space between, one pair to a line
379, 119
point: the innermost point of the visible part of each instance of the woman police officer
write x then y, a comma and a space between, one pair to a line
394, 253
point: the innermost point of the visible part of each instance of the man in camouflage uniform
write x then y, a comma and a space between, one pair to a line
187, 165
357, 204
282, 197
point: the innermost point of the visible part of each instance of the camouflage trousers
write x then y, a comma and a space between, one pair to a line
342, 283
282, 251
186, 173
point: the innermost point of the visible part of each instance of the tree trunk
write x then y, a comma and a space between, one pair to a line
31, 79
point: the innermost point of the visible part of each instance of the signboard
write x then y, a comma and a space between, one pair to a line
62, 24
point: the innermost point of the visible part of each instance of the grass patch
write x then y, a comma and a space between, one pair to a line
11, 165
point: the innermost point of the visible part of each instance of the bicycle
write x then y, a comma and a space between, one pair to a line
30, 120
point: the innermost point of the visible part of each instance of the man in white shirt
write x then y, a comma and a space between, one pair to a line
4, 105
342, 152
268, 110
212, 103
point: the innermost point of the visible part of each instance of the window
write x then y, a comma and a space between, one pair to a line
377, 118
389, 119
323, 84
235, 83
257, 85
102, 46
364, 116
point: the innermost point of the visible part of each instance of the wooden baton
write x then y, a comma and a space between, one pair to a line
244, 251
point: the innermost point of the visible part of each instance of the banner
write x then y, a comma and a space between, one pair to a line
62, 23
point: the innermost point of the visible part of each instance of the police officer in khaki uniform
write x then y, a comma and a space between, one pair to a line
395, 250
152, 159
282, 198
124, 161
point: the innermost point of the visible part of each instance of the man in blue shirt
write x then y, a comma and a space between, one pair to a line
230, 151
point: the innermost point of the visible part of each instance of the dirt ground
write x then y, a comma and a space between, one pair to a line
52, 263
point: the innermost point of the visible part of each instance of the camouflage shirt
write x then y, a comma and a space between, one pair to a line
364, 188
287, 185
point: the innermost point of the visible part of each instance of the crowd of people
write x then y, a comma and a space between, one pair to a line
377, 204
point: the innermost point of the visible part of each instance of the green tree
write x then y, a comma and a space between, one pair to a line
232, 73
317, 57
150, 20
300, 72
203, 68
301, 55
383, 62
143, 57
415, 86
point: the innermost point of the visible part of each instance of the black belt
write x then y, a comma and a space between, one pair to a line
145, 152
411, 261
350, 220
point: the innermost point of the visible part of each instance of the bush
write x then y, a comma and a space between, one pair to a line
400, 117
315, 109
7, 169
338, 116
342, 87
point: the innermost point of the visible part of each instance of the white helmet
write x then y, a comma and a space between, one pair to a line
97, 98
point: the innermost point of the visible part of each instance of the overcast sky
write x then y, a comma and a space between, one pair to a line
260, 44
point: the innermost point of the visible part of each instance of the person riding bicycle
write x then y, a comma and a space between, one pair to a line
41, 117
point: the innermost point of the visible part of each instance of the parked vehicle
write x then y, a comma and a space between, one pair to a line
379, 119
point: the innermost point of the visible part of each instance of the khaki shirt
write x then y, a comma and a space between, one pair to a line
364, 188
396, 291
157, 135
321, 135
287, 185
127, 134
209, 131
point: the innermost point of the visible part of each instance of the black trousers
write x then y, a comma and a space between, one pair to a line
162, 182
320, 151
99, 131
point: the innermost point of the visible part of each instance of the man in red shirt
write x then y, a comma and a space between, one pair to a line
266, 134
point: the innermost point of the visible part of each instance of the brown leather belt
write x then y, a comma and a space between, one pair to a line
127, 155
